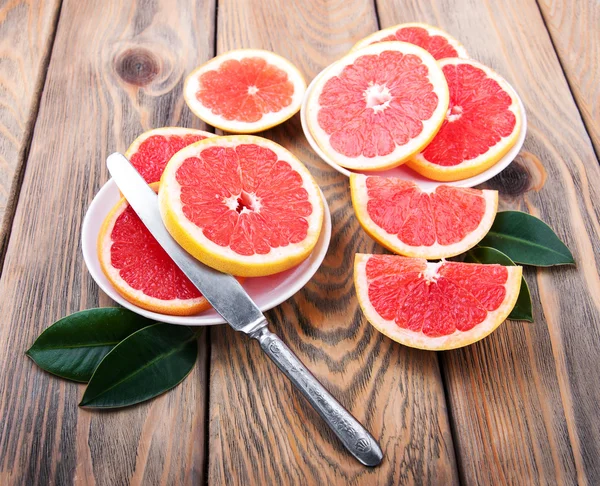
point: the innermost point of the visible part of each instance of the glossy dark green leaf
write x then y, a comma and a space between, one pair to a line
527, 240
522, 310
144, 365
73, 346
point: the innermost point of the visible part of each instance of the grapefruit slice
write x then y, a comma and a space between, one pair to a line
378, 106
140, 270
435, 306
409, 221
241, 204
482, 124
245, 91
438, 43
150, 152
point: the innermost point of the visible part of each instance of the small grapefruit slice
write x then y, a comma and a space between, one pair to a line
435, 306
438, 43
245, 91
378, 106
409, 221
140, 270
482, 124
150, 152
241, 204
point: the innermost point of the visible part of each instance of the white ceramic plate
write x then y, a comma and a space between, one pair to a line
267, 292
405, 172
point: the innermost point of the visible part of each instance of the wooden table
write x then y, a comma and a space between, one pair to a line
80, 79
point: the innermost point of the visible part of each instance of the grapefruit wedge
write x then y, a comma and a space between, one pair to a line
241, 204
434, 306
438, 43
409, 221
245, 91
378, 106
140, 270
482, 124
150, 152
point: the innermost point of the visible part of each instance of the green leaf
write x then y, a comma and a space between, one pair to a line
522, 310
144, 365
73, 346
526, 239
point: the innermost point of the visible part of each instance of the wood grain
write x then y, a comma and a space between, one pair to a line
575, 31
524, 401
116, 69
26, 36
261, 430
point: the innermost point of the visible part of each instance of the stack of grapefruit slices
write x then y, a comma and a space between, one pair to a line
410, 95
241, 204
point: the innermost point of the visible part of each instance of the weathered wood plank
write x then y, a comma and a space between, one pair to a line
26, 36
117, 68
523, 402
261, 430
575, 31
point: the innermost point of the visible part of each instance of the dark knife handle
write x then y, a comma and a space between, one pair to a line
353, 435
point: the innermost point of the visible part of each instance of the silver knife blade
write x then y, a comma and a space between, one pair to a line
223, 291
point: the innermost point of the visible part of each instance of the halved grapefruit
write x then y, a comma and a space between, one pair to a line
378, 106
435, 306
438, 43
140, 270
150, 152
245, 91
409, 221
482, 124
241, 204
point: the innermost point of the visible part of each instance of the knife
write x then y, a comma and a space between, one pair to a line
232, 302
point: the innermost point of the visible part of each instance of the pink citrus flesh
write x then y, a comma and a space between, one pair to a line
139, 268
435, 41
378, 106
435, 306
151, 151
221, 90
435, 224
245, 91
241, 204
482, 123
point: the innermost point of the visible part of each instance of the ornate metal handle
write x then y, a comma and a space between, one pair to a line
353, 435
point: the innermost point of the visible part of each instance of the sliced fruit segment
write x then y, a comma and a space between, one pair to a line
438, 43
411, 222
435, 306
482, 124
140, 270
378, 106
150, 152
245, 91
241, 204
